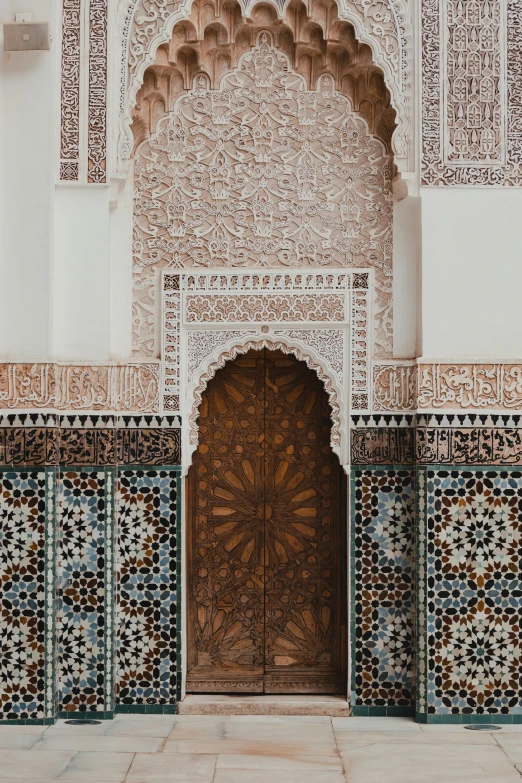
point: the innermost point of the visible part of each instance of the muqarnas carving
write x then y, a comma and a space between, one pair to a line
258, 164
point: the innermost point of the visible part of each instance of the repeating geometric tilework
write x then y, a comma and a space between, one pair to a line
22, 594
474, 596
146, 607
383, 571
82, 609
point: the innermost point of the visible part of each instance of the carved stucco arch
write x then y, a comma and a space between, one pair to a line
230, 351
144, 25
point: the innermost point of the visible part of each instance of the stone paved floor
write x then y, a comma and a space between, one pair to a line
258, 749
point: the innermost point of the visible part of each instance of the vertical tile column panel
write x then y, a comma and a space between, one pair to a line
474, 596
383, 501
146, 669
85, 596
421, 663
26, 594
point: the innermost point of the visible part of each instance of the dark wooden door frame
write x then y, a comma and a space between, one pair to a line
258, 680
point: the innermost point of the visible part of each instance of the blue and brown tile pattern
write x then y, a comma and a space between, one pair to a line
382, 604
474, 595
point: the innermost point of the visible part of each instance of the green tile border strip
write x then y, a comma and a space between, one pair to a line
382, 712
461, 719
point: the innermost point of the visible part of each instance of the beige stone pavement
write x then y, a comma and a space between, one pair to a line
258, 749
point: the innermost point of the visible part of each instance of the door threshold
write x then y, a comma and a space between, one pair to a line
238, 704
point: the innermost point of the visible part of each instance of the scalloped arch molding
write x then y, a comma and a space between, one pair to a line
385, 25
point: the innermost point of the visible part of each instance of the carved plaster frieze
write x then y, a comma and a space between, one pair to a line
470, 386
83, 133
263, 172
196, 341
117, 387
70, 90
97, 92
472, 103
331, 309
394, 386
384, 25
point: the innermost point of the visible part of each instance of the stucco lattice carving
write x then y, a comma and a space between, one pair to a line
327, 343
97, 98
262, 172
119, 387
472, 110
70, 91
385, 25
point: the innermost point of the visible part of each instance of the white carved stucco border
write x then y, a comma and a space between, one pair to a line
149, 23
339, 437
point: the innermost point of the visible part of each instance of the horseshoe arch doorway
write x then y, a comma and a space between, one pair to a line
266, 537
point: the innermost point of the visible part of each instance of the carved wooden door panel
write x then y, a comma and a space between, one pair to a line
304, 591
265, 544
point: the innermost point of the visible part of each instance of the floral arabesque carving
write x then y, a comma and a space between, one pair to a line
472, 109
218, 360
262, 172
384, 25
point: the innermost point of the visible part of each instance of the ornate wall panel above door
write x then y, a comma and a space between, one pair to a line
320, 317
262, 173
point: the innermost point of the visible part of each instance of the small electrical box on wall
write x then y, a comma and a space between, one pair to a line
26, 37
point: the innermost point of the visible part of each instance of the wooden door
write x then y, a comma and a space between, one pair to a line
266, 543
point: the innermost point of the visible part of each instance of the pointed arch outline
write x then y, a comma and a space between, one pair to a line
236, 347
144, 25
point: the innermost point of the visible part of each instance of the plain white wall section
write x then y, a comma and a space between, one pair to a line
406, 263
29, 124
471, 273
81, 274
121, 266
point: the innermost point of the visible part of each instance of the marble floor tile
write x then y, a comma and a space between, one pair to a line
122, 726
310, 763
72, 740
16, 764
203, 732
278, 776
171, 768
87, 766
375, 724
280, 719
349, 738
18, 741
22, 729
277, 732
254, 747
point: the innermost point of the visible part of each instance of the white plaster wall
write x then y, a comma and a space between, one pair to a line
81, 274
121, 265
28, 126
471, 273
406, 276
